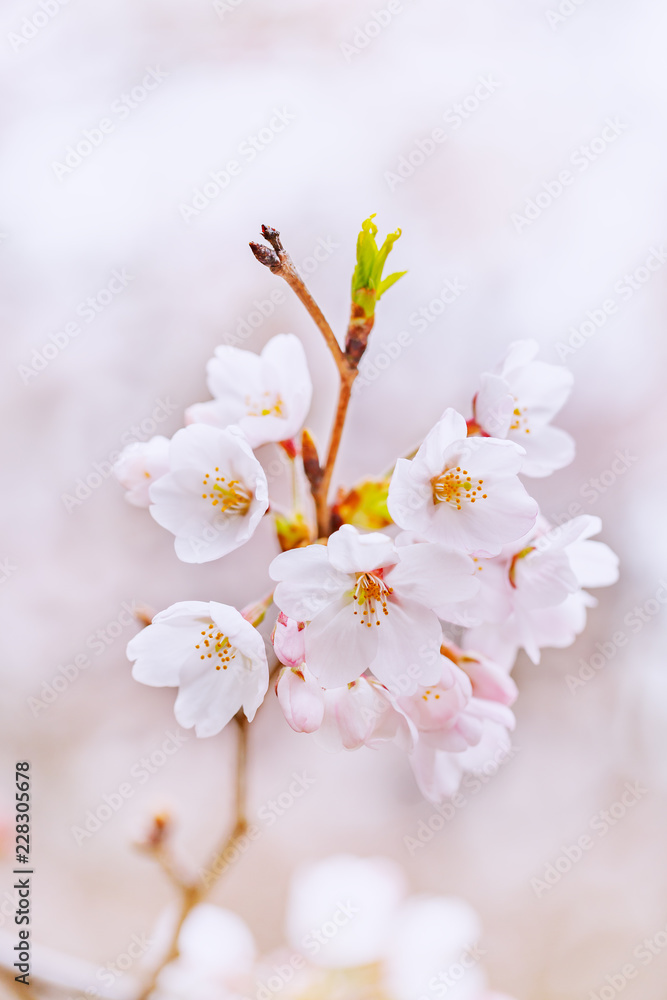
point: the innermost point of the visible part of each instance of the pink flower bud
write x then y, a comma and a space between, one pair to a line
301, 699
288, 641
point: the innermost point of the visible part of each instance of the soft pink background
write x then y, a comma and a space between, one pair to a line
191, 286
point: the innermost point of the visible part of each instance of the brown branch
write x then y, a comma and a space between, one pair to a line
21, 989
321, 494
279, 262
193, 892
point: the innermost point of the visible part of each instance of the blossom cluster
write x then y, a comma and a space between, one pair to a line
403, 624
352, 931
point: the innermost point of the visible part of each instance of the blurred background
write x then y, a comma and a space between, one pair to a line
124, 261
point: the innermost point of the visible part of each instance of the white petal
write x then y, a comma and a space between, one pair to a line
431, 575
594, 563
339, 646
547, 449
352, 552
307, 582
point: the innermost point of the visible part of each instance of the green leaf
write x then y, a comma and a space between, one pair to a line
388, 282
367, 283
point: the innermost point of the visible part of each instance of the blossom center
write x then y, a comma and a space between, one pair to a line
230, 495
214, 645
371, 593
454, 486
515, 558
268, 404
519, 419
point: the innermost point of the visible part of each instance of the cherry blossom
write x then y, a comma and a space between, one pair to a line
369, 605
301, 698
542, 600
216, 958
214, 495
463, 492
213, 656
267, 395
139, 465
352, 915
518, 402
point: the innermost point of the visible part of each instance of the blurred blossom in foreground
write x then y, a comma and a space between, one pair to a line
352, 933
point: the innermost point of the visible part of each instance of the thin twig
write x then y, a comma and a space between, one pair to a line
321, 494
21, 989
279, 262
193, 892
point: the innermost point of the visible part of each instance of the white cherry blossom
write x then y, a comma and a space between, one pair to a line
213, 656
214, 495
268, 395
463, 492
542, 597
369, 605
518, 402
139, 465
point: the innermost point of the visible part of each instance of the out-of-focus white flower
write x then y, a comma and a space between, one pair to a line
463, 492
368, 604
212, 654
340, 911
350, 917
541, 601
139, 465
214, 495
217, 955
519, 401
267, 395
432, 950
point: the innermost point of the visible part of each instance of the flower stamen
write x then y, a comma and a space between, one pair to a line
231, 496
216, 640
268, 405
370, 591
453, 486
